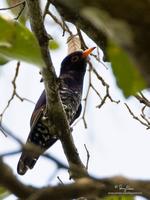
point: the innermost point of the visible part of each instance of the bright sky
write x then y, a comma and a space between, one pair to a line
118, 145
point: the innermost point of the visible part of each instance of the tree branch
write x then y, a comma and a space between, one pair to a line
56, 112
92, 188
9, 181
87, 187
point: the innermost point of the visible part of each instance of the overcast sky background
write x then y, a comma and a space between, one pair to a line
118, 145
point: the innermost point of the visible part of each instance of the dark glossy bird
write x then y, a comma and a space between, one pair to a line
42, 136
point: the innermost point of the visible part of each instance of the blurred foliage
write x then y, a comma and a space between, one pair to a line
3, 193
24, 10
116, 30
53, 44
3, 60
119, 197
17, 42
128, 77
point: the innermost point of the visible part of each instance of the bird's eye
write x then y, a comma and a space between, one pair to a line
74, 58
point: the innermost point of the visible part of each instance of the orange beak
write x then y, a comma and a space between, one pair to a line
87, 52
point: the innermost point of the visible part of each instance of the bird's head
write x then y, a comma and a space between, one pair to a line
76, 61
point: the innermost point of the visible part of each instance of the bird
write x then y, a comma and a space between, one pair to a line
42, 136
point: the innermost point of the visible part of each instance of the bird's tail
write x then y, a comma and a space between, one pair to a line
30, 155
28, 158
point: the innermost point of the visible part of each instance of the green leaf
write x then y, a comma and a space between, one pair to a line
128, 77
3, 60
17, 42
119, 197
53, 45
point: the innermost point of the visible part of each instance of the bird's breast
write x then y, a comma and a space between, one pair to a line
71, 99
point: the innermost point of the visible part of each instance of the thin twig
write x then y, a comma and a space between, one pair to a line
46, 10
144, 118
60, 180
142, 99
63, 25
8, 132
53, 175
83, 44
107, 94
20, 12
59, 163
88, 156
97, 57
86, 99
94, 89
14, 93
14, 6
143, 115
137, 118
23, 3
11, 153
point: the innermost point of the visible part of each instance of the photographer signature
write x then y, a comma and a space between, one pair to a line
124, 188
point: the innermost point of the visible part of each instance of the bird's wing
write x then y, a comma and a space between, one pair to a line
29, 154
40, 105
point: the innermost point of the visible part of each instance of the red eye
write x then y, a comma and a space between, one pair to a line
74, 58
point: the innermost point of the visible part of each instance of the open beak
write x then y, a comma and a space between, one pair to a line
87, 52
